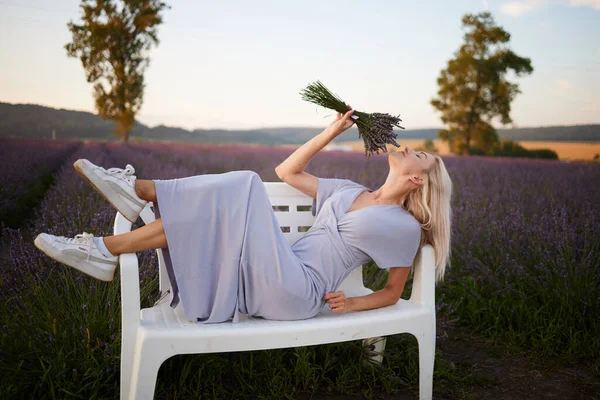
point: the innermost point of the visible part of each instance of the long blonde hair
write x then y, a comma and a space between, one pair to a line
430, 205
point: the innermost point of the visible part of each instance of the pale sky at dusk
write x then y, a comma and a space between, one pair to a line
241, 64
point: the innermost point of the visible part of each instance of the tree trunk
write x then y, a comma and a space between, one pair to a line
467, 140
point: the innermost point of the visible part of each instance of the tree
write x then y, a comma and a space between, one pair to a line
472, 89
112, 43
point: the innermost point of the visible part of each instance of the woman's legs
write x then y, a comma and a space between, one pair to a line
150, 236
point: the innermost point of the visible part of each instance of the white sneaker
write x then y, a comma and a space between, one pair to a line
80, 253
116, 185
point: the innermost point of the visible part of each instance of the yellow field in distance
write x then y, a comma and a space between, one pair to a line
565, 150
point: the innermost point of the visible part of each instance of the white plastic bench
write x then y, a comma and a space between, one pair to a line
152, 335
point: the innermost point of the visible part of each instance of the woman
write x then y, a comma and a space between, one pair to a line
229, 255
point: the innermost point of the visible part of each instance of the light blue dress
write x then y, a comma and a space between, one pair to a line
228, 255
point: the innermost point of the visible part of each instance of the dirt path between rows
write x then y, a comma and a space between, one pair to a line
512, 376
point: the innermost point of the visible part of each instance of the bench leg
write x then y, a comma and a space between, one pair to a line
426, 364
143, 375
378, 345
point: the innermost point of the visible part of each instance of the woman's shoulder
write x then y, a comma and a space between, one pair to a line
342, 184
397, 217
349, 183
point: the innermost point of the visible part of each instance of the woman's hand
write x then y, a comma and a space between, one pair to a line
341, 123
338, 302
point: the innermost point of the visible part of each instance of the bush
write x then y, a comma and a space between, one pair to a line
509, 148
476, 151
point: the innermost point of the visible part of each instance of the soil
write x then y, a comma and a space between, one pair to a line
507, 375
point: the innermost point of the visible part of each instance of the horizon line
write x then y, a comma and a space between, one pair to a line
279, 127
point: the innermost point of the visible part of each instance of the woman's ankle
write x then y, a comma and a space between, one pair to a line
139, 189
108, 244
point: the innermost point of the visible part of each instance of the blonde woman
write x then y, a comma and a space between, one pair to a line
226, 254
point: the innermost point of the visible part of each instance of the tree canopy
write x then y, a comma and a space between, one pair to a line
112, 42
473, 89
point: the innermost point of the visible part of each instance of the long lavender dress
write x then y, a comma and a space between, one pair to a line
229, 255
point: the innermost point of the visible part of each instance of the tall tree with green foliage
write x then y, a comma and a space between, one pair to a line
112, 42
473, 90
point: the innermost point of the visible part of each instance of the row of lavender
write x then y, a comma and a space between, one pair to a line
59, 308
27, 167
524, 267
527, 254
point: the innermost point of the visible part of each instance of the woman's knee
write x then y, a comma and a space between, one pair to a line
252, 173
248, 173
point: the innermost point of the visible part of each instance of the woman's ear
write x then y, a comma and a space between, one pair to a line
417, 180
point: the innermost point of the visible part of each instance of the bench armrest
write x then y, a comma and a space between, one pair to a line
130, 282
423, 290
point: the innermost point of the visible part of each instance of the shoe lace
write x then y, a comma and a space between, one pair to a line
126, 173
85, 239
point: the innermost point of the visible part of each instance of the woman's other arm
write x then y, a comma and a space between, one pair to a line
387, 296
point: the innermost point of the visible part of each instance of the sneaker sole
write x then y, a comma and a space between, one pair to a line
75, 263
99, 186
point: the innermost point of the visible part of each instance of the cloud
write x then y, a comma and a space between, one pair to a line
519, 8
486, 5
515, 9
585, 3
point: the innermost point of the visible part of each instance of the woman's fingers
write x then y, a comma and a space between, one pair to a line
330, 295
336, 301
338, 308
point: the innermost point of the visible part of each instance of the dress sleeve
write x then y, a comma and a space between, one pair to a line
390, 250
326, 187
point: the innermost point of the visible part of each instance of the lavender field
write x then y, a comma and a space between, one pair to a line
524, 270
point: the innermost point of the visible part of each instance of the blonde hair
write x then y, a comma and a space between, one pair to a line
430, 205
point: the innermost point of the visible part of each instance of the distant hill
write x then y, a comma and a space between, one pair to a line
34, 121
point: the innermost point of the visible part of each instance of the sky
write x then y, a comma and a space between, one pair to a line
241, 64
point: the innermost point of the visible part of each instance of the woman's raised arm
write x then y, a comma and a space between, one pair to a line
291, 170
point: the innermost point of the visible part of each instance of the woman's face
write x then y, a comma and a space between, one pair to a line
409, 163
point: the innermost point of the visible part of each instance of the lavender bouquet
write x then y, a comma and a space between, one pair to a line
376, 129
